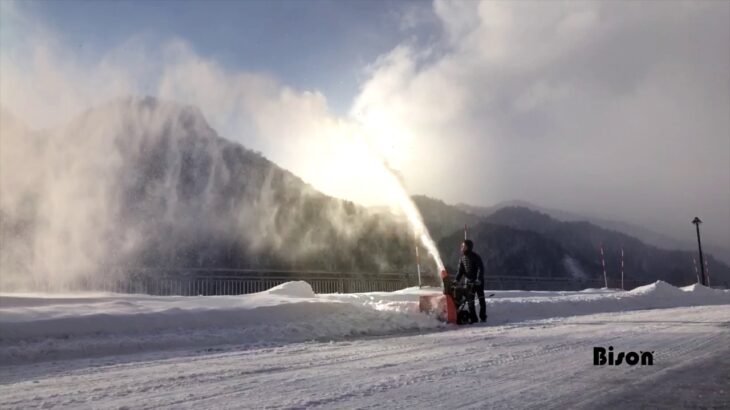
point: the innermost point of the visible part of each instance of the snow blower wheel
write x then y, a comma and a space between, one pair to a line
462, 318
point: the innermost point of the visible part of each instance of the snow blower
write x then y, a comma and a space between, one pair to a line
452, 306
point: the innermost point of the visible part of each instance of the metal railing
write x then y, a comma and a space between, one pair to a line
240, 281
189, 282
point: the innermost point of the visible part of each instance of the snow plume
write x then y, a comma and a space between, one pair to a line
73, 209
144, 182
414, 217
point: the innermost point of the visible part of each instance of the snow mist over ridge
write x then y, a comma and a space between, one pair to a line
64, 182
147, 183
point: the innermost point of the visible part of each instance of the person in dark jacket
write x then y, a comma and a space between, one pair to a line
471, 267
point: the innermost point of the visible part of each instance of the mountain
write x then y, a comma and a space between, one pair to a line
442, 219
507, 251
571, 249
517, 240
645, 235
144, 183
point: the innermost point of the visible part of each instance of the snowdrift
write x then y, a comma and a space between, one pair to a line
34, 326
43, 327
657, 295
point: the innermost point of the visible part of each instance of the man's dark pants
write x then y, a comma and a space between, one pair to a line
479, 291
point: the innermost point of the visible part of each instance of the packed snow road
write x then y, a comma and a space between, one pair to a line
541, 364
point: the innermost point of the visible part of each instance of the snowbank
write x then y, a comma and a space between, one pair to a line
297, 289
60, 326
42, 327
653, 296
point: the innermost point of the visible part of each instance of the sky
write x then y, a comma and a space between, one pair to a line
324, 44
619, 110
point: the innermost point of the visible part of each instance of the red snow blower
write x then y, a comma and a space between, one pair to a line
451, 306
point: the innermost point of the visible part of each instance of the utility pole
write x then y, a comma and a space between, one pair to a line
697, 223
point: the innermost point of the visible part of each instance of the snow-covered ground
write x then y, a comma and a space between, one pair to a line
288, 347
52, 327
539, 364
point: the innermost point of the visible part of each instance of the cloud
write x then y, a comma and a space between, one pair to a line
613, 109
46, 82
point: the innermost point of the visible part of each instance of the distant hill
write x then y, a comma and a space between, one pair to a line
519, 241
442, 219
509, 251
645, 235
581, 242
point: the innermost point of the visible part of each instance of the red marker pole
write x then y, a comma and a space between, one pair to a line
418, 267
622, 269
603, 263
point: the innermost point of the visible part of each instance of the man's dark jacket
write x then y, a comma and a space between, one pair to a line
471, 266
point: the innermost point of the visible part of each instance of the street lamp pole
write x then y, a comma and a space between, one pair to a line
697, 223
